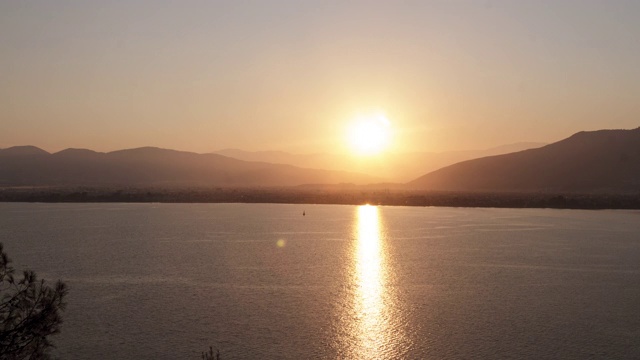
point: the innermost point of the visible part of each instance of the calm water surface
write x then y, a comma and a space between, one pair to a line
165, 281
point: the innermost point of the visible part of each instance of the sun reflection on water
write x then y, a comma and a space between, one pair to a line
373, 334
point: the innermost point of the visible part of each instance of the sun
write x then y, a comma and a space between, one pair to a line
369, 135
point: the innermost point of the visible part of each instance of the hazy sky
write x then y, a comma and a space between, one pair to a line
289, 75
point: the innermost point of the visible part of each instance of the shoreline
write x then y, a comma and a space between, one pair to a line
327, 196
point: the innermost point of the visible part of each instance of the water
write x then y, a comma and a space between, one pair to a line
165, 281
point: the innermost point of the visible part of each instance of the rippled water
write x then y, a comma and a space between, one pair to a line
165, 281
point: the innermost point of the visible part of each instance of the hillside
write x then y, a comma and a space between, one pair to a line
395, 167
31, 166
597, 161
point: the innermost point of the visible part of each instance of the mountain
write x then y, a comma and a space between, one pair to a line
22, 151
596, 161
30, 166
275, 157
399, 167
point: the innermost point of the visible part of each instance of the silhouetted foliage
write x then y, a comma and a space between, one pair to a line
29, 312
210, 355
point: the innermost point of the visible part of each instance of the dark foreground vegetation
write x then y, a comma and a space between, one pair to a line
346, 195
30, 312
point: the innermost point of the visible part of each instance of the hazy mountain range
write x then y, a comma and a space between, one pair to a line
398, 167
147, 166
595, 161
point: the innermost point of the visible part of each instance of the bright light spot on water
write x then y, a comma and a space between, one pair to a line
372, 327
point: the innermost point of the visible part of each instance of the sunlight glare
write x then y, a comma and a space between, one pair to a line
370, 282
369, 135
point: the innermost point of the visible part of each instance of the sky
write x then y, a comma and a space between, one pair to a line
291, 75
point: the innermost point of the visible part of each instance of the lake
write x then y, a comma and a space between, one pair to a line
165, 281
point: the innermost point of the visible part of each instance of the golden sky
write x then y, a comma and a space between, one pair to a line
292, 75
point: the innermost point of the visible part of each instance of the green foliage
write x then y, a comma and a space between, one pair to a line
29, 312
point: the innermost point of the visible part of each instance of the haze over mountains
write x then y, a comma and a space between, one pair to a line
400, 167
605, 161
31, 166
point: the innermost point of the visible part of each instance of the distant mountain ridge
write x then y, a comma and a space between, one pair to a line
23, 150
604, 161
149, 166
399, 167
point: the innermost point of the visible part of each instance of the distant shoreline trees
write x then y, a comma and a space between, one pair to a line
30, 311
